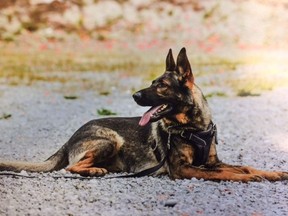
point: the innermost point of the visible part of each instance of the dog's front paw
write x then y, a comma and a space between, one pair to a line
284, 175
275, 176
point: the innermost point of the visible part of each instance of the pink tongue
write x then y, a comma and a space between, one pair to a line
147, 115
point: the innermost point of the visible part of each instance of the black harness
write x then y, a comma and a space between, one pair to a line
201, 141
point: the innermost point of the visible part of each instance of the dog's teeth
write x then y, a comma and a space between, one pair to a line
160, 109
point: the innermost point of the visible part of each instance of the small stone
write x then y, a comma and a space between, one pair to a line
170, 203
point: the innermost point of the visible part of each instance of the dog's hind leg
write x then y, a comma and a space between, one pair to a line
85, 167
93, 151
97, 151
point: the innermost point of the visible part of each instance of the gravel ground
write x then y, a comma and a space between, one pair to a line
252, 131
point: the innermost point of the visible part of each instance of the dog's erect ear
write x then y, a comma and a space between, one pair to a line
170, 63
183, 66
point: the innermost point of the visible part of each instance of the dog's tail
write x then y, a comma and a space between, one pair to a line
57, 161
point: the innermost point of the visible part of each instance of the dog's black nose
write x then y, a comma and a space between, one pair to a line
137, 96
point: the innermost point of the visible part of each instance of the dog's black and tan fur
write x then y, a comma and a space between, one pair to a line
135, 144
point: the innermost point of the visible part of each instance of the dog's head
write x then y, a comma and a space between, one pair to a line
170, 94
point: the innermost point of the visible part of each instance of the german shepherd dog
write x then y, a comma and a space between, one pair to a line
176, 131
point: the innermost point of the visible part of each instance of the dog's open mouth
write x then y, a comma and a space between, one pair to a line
154, 113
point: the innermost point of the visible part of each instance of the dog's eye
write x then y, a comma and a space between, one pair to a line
161, 85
